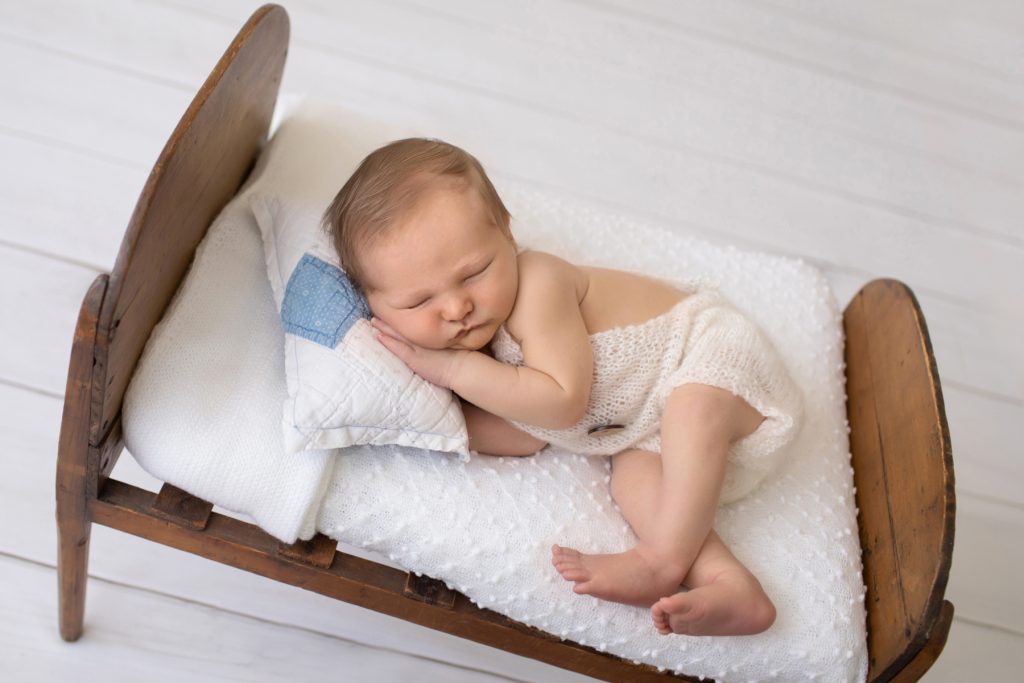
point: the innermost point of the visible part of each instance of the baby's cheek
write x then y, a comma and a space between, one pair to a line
422, 332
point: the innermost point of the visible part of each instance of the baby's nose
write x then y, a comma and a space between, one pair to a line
458, 308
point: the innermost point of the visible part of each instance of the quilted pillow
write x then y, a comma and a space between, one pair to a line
344, 387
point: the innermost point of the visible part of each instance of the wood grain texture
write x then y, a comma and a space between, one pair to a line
903, 472
201, 167
77, 467
923, 660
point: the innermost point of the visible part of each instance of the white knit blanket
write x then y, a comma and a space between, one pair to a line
206, 418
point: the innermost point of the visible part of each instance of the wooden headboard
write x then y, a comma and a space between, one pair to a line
205, 161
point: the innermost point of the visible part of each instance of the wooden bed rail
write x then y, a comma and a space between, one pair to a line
85, 494
344, 577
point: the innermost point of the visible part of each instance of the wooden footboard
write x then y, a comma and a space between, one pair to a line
903, 471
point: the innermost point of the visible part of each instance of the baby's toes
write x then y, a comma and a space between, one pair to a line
572, 571
560, 555
660, 618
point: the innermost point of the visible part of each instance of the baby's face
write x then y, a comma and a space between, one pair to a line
445, 277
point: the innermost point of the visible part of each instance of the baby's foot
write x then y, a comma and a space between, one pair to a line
635, 577
724, 607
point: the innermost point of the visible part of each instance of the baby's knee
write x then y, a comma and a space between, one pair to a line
711, 410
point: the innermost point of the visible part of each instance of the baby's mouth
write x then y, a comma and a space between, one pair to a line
466, 330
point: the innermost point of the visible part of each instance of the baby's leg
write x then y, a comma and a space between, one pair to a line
631, 577
492, 435
724, 597
698, 425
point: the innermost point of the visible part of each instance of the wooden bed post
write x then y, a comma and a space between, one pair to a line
77, 469
206, 159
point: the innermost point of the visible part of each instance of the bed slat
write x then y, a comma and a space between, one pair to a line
317, 551
182, 508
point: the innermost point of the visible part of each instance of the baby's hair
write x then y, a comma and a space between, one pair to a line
390, 180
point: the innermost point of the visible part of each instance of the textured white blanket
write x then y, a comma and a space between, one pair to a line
486, 527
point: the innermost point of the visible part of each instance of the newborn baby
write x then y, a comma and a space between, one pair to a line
683, 392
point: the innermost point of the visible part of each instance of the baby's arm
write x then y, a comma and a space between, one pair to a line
553, 387
492, 435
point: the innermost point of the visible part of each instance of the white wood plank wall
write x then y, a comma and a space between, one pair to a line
877, 138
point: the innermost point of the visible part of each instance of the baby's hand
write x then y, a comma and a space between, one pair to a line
437, 366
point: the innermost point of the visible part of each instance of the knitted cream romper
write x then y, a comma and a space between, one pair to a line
702, 339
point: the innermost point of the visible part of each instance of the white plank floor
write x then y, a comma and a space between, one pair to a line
880, 138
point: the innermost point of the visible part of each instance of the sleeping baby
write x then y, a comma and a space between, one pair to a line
684, 393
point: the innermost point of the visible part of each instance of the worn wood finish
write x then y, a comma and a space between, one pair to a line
924, 659
902, 462
200, 168
426, 589
903, 471
181, 507
317, 551
77, 470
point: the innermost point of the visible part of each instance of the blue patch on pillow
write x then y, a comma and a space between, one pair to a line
320, 302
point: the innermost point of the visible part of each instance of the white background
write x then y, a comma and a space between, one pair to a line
873, 139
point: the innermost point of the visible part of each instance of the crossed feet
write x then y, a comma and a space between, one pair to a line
731, 604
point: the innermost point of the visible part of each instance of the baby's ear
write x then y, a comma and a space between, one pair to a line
508, 229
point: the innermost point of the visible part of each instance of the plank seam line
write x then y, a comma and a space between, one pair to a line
262, 620
47, 141
971, 229
95, 62
984, 624
660, 22
733, 99
920, 52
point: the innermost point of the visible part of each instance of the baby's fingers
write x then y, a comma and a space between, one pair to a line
385, 328
395, 345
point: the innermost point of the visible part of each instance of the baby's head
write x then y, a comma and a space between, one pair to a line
422, 233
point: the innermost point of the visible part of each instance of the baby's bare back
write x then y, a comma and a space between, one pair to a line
607, 298
616, 298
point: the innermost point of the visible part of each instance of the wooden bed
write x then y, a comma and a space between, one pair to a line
899, 437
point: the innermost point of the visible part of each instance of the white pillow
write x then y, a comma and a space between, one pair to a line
344, 387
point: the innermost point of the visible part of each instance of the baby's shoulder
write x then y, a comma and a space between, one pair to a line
545, 281
539, 270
